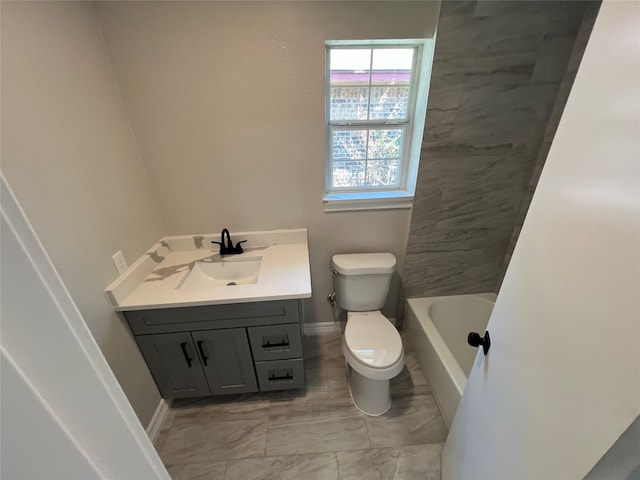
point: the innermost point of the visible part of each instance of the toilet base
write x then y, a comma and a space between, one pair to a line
371, 397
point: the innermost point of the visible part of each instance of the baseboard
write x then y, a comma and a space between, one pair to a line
322, 328
153, 429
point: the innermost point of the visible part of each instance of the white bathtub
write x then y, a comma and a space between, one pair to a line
436, 329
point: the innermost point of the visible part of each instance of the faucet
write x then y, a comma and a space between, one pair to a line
226, 247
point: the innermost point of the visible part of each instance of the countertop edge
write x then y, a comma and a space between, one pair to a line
205, 303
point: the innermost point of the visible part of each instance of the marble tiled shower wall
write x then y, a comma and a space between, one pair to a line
501, 75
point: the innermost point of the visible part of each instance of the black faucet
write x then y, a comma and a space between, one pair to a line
227, 248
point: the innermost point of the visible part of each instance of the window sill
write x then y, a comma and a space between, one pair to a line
344, 202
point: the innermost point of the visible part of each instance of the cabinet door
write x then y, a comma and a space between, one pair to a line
226, 360
174, 364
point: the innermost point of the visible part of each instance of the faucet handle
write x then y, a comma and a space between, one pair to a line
238, 247
223, 248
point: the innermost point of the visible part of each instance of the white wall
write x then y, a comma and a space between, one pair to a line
68, 154
227, 103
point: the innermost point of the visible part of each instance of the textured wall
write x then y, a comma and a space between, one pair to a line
497, 72
68, 155
226, 100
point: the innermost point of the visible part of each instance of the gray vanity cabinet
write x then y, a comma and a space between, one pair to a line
221, 349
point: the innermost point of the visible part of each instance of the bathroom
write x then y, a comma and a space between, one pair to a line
110, 141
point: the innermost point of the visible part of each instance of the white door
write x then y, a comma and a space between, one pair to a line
63, 414
561, 381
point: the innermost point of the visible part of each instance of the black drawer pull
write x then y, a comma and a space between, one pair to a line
273, 377
183, 346
204, 357
284, 343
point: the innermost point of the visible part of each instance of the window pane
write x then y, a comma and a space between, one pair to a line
382, 173
392, 66
389, 103
348, 103
349, 145
348, 174
349, 66
348, 155
385, 143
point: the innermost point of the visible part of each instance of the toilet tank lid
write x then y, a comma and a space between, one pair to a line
363, 263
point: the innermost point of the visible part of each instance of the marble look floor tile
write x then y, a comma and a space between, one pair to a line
198, 471
322, 346
165, 429
220, 409
410, 381
298, 396
421, 462
201, 441
413, 367
402, 391
338, 361
410, 421
315, 374
315, 426
316, 466
313, 411
319, 436
337, 377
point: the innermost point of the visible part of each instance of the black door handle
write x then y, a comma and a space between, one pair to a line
475, 340
183, 346
204, 357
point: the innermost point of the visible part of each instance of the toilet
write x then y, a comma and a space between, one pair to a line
371, 345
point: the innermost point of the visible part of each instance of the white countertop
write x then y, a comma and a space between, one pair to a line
153, 280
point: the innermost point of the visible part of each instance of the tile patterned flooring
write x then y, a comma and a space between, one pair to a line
315, 433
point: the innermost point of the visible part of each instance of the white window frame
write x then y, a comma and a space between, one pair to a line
383, 198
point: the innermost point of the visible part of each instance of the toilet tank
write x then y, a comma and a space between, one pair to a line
361, 280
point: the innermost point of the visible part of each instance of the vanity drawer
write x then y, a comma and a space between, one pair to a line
280, 374
275, 342
166, 320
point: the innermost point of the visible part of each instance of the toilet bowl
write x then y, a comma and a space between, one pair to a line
373, 352
371, 345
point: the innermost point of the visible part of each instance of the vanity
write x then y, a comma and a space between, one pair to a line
208, 324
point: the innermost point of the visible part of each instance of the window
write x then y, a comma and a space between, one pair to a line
375, 108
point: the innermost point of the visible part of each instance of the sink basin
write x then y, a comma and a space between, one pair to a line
236, 271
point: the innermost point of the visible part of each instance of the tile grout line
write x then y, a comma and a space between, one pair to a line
366, 425
266, 433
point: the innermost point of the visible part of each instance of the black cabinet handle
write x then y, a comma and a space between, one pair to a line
275, 345
204, 357
183, 346
475, 340
273, 378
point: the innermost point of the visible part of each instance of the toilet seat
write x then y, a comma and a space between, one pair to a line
372, 345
